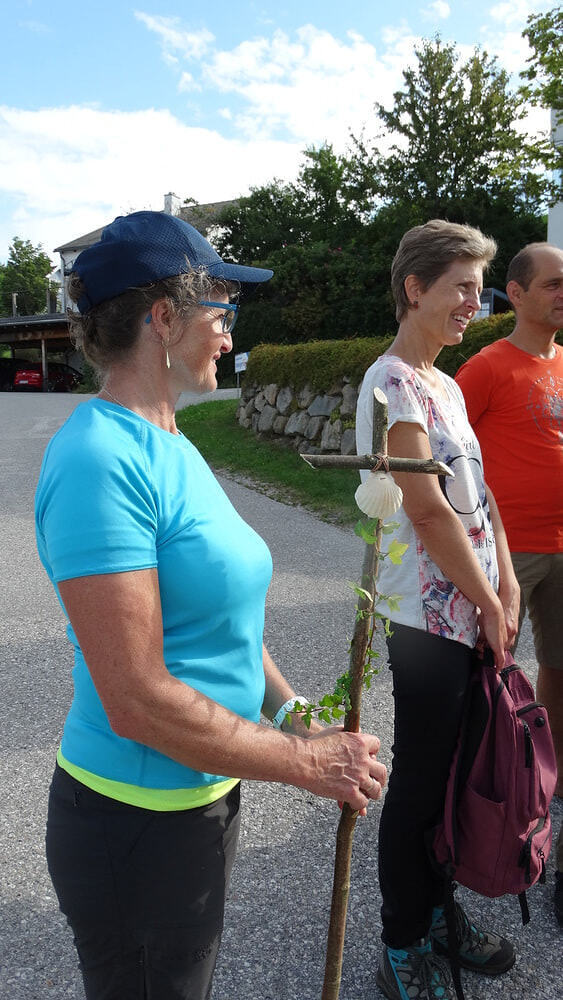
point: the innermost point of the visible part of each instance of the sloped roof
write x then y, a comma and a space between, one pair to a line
81, 242
201, 217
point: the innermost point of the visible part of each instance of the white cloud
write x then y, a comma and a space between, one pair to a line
67, 171
311, 87
399, 43
439, 9
175, 39
511, 50
187, 82
514, 13
536, 122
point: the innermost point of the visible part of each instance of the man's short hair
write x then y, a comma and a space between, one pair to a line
522, 267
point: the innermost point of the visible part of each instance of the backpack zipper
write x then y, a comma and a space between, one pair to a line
530, 705
528, 741
525, 859
541, 856
506, 671
528, 746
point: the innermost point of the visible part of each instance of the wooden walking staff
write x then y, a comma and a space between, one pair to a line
358, 649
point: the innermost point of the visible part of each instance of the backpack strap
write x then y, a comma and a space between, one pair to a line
453, 941
524, 907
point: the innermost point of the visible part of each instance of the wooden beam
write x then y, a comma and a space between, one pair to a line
37, 335
370, 461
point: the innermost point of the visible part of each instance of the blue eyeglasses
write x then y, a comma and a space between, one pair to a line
229, 317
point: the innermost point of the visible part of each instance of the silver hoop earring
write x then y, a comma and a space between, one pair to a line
166, 354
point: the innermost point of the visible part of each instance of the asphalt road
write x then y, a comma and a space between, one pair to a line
273, 945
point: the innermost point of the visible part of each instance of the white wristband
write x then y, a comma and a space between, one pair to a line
286, 708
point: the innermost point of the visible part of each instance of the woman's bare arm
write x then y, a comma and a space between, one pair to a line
117, 620
443, 536
509, 588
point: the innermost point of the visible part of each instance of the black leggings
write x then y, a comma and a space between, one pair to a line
143, 891
430, 676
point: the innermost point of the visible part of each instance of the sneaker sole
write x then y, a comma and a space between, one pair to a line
482, 970
381, 982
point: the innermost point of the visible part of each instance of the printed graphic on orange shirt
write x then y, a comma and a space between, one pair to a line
545, 404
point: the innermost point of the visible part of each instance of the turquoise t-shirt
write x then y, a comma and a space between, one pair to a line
117, 493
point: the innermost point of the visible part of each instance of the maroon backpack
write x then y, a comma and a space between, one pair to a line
495, 834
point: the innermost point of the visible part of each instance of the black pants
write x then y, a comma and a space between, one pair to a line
143, 891
430, 676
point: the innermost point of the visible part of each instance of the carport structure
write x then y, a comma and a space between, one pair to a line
46, 331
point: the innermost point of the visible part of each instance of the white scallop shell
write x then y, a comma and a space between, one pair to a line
379, 496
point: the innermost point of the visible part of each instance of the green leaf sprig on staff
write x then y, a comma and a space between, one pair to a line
332, 707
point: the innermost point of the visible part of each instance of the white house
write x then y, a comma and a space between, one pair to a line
203, 217
555, 217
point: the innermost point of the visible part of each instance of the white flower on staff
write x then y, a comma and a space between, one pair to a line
379, 496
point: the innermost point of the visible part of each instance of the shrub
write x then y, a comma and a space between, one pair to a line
320, 363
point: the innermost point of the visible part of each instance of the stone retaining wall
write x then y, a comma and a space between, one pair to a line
312, 422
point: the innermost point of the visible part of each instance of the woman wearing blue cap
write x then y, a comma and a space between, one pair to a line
164, 587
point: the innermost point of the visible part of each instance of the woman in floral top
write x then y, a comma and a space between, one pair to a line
458, 591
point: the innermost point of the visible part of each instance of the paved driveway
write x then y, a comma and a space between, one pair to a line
273, 946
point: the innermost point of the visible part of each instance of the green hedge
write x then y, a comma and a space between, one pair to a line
320, 363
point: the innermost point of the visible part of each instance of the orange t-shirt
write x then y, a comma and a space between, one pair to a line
515, 404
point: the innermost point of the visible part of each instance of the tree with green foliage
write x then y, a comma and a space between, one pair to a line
25, 273
544, 75
335, 203
255, 226
312, 233
455, 154
324, 204
453, 150
453, 135
543, 83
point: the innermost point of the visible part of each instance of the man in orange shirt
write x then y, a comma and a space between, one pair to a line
514, 396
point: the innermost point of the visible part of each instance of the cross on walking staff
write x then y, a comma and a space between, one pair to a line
358, 649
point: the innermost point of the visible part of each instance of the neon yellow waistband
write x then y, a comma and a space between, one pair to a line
158, 799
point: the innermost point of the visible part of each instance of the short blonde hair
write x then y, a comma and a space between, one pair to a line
428, 251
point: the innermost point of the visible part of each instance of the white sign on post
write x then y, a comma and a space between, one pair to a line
241, 362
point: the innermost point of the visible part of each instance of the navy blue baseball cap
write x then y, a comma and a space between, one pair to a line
145, 247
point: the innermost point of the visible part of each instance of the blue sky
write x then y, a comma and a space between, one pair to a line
106, 107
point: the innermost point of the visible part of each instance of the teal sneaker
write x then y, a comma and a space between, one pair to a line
479, 951
414, 973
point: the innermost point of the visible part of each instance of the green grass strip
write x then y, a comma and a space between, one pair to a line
272, 466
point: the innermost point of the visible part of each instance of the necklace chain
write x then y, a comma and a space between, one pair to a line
119, 403
114, 398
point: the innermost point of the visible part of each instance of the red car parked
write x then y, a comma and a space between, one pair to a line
29, 376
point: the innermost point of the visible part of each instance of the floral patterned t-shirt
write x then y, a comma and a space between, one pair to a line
428, 600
